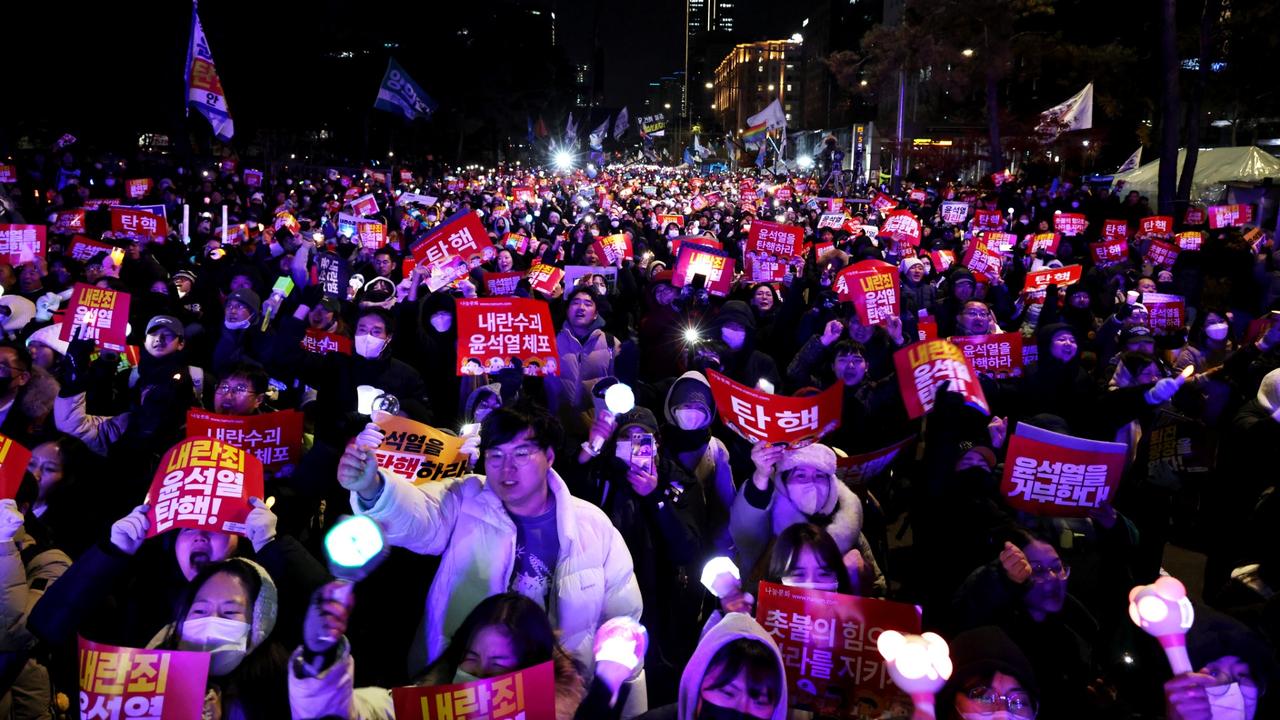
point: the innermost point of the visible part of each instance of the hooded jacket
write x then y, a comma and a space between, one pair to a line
712, 469
746, 364
581, 361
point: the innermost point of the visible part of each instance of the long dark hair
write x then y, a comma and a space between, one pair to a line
749, 656
786, 549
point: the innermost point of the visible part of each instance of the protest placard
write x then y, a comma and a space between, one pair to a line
924, 366
1109, 251
527, 694
1165, 312
203, 484
321, 342
856, 470
24, 243
954, 212
1115, 229
1062, 277
544, 278
152, 684
499, 284
13, 465
275, 438
613, 249
1069, 224
1048, 473
760, 416
97, 314
999, 355
417, 452
495, 333
1156, 225
715, 266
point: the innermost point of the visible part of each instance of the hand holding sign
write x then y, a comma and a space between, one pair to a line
10, 519
130, 531
1015, 564
766, 457
358, 469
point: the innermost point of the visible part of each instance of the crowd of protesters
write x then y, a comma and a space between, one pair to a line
552, 534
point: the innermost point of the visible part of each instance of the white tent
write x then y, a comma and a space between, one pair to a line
1214, 168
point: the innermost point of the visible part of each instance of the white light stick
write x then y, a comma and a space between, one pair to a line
619, 398
919, 665
186, 224
224, 223
721, 577
365, 395
1163, 610
623, 641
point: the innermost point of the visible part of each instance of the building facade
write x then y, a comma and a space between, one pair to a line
753, 75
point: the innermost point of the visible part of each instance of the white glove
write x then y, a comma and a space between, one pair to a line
370, 436
130, 531
471, 446
1163, 390
260, 524
10, 520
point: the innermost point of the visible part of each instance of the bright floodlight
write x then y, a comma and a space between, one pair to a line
563, 160
805, 162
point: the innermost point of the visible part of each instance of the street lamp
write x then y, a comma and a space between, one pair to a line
666, 105
708, 86
967, 52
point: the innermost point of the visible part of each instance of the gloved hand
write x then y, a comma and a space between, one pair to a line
1164, 390
129, 532
370, 436
471, 446
10, 520
260, 524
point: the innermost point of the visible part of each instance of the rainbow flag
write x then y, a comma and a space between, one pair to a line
755, 133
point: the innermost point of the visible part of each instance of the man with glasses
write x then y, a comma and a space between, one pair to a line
975, 318
242, 391
516, 528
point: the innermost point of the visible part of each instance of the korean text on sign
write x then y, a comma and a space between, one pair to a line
462, 235
712, 264
322, 343
999, 355
1048, 473
419, 453
858, 469
121, 682
1062, 277
494, 332
527, 694
760, 416
97, 314
828, 646
925, 366
203, 484
24, 243
275, 438
776, 239
876, 294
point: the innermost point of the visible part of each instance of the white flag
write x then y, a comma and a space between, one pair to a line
599, 134
1133, 162
1074, 114
772, 116
570, 130
620, 124
204, 90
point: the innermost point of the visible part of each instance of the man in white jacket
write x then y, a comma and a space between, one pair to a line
516, 529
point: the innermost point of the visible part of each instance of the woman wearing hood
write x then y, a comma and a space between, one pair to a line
794, 486
690, 409
430, 335
736, 326
735, 674
917, 292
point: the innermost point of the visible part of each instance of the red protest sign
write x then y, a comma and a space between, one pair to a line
8, 174
82, 249
1165, 312
253, 178
373, 235
23, 243
203, 484
942, 259
1048, 473
13, 465
97, 203
68, 222
954, 212
834, 221
527, 694
365, 205
828, 644
275, 438
321, 342
1109, 251
1156, 225
1195, 216
925, 366
495, 332
1224, 216
1189, 240
613, 249
858, 469
783, 194
665, 220
698, 203
462, 235
927, 328
138, 222
544, 278
406, 176
988, 220
776, 239
883, 203
100, 315
876, 294
760, 416
1047, 242
763, 268
712, 264
917, 196
137, 187
999, 355
1069, 224
133, 683
502, 283
1112, 229
523, 194
979, 257
419, 453
703, 240
1161, 253
1062, 277
902, 226
1000, 241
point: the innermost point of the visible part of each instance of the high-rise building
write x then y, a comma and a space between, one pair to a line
709, 26
753, 75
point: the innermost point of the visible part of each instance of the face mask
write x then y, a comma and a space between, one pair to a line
236, 324
462, 676
441, 322
997, 715
673, 233
1216, 331
805, 498
1233, 701
828, 586
733, 338
369, 346
714, 712
226, 640
690, 418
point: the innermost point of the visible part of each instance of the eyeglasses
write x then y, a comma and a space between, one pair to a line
976, 312
519, 457
1041, 572
816, 479
12, 369
988, 700
227, 389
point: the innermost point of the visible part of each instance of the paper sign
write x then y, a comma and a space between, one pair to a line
1062, 277
527, 694
1047, 473
13, 465
1047, 242
332, 275
1189, 240
942, 259
8, 174
883, 203
1000, 241
665, 220
876, 294
275, 438
23, 243
203, 484
373, 235
954, 213
613, 249
495, 332
1161, 253
137, 188
461, 235
100, 314
760, 416
575, 275
407, 198
121, 682
988, 220
544, 278
859, 469
253, 178
926, 366
1195, 216
980, 257
918, 196
831, 220
1224, 216
703, 240
1180, 448
365, 205
1109, 251
1166, 312
321, 342
499, 283
68, 222
902, 226
97, 203
714, 265
1156, 225
82, 249
138, 223
783, 194
828, 644
419, 453
1113, 229
999, 355
776, 239
1069, 224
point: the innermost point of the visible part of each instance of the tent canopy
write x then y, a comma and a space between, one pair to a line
1214, 168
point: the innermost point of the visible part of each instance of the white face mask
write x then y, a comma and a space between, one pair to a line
1216, 331
462, 676
226, 640
369, 346
690, 418
805, 498
236, 324
1232, 701
733, 338
442, 322
828, 586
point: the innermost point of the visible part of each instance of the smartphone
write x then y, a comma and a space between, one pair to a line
643, 449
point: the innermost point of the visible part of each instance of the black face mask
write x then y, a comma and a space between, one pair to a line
976, 481
715, 712
681, 441
5, 382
